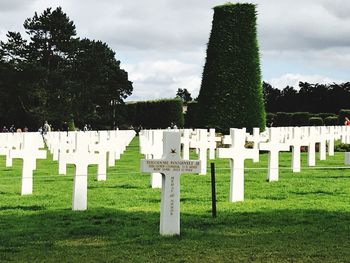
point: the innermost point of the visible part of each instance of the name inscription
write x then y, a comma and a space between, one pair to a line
164, 166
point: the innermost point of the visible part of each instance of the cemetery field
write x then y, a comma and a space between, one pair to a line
304, 217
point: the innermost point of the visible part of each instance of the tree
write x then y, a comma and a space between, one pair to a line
59, 77
231, 89
97, 83
184, 95
272, 98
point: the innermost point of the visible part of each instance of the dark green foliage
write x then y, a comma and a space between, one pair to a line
231, 90
324, 115
313, 98
300, 119
58, 77
315, 121
342, 114
283, 119
270, 118
330, 121
153, 114
341, 147
271, 98
190, 116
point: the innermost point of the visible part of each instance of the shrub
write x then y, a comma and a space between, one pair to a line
231, 90
331, 121
153, 114
315, 121
300, 119
283, 119
341, 147
325, 115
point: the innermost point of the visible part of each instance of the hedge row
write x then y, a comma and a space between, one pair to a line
151, 114
283, 119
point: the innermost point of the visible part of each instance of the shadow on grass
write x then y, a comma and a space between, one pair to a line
318, 192
277, 235
22, 207
123, 186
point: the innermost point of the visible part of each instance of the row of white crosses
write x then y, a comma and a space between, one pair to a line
86, 148
78, 148
280, 139
25, 146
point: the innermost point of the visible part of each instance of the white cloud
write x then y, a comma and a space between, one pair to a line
293, 79
311, 35
161, 79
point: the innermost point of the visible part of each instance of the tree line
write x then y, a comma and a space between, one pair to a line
313, 98
54, 75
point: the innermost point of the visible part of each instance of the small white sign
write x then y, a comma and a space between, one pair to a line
165, 166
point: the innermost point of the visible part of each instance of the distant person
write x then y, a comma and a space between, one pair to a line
4, 129
25, 129
347, 121
85, 128
46, 128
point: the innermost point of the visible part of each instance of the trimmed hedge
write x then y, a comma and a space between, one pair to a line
331, 121
325, 115
190, 116
231, 91
315, 121
300, 119
152, 114
283, 119
342, 114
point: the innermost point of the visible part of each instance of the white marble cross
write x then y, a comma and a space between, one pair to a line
171, 166
202, 144
330, 140
237, 153
65, 146
29, 153
152, 148
273, 146
311, 150
296, 142
101, 149
255, 139
185, 141
81, 158
212, 139
323, 136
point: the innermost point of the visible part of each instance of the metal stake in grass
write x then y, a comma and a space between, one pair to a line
213, 191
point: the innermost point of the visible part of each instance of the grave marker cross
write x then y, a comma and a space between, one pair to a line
273, 146
171, 166
81, 158
237, 153
29, 153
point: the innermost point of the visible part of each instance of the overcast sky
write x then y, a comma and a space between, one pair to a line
162, 43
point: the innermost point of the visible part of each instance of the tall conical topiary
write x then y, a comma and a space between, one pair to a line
231, 91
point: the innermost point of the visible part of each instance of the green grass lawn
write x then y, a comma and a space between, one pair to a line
305, 217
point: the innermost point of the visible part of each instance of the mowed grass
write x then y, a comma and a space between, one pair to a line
304, 217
